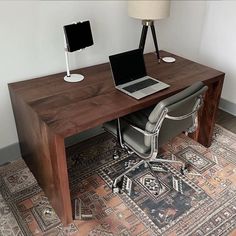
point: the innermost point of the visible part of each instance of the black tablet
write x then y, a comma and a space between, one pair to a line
78, 36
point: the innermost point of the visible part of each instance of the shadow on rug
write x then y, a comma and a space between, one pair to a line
206, 204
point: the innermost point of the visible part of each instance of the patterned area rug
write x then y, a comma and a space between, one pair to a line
206, 204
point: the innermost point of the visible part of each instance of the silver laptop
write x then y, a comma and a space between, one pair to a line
130, 76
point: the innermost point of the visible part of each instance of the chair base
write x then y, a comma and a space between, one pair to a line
123, 183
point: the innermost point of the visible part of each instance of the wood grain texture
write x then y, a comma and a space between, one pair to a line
44, 153
69, 108
47, 110
207, 115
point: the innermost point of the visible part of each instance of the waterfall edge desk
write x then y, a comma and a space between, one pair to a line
47, 110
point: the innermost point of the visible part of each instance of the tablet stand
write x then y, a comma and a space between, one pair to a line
70, 77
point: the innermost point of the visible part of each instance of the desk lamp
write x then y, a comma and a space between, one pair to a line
77, 36
148, 11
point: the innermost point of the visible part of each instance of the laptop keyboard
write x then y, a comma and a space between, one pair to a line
140, 85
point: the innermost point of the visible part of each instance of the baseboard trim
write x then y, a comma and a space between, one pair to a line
10, 153
227, 106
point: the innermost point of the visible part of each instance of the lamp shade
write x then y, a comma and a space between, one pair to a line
149, 10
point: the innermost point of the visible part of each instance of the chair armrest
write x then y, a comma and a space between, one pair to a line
144, 132
197, 105
181, 117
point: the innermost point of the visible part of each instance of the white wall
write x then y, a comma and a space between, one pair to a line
31, 42
218, 44
181, 32
204, 31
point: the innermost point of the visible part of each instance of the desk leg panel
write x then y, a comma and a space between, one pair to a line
207, 115
44, 154
62, 200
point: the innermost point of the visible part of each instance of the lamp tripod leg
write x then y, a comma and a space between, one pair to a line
155, 42
143, 37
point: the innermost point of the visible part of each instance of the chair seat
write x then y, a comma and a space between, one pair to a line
130, 136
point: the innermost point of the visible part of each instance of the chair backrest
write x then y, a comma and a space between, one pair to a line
180, 106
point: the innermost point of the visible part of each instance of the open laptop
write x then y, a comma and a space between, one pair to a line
130, 76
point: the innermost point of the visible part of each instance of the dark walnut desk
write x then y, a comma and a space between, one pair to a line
47, 110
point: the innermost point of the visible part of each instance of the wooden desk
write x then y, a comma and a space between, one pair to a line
47, 110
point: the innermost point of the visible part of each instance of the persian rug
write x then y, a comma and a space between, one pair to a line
206, 204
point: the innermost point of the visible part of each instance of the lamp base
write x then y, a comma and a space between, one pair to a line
168, 59
74, 78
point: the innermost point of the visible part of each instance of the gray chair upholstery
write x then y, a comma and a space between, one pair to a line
145, 131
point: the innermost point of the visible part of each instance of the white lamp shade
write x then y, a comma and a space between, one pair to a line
149, 10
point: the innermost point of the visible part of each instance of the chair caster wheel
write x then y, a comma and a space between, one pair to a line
184, 170
130, 152
145, 165
116, 155
115, 190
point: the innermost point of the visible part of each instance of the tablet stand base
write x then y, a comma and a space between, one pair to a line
74, 78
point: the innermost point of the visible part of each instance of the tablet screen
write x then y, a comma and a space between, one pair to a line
78, 36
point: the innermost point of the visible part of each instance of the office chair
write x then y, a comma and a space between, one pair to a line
143, 132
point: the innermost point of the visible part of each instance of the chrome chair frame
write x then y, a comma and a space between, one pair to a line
151, 157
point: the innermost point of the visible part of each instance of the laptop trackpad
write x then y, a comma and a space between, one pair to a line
148, 90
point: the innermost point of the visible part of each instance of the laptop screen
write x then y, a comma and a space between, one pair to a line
127, 66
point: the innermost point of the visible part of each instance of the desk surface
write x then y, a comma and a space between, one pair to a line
69, 108
48, 109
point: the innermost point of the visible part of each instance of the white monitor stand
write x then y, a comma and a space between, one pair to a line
72, 78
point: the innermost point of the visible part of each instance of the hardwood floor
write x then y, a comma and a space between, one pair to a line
226, 120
